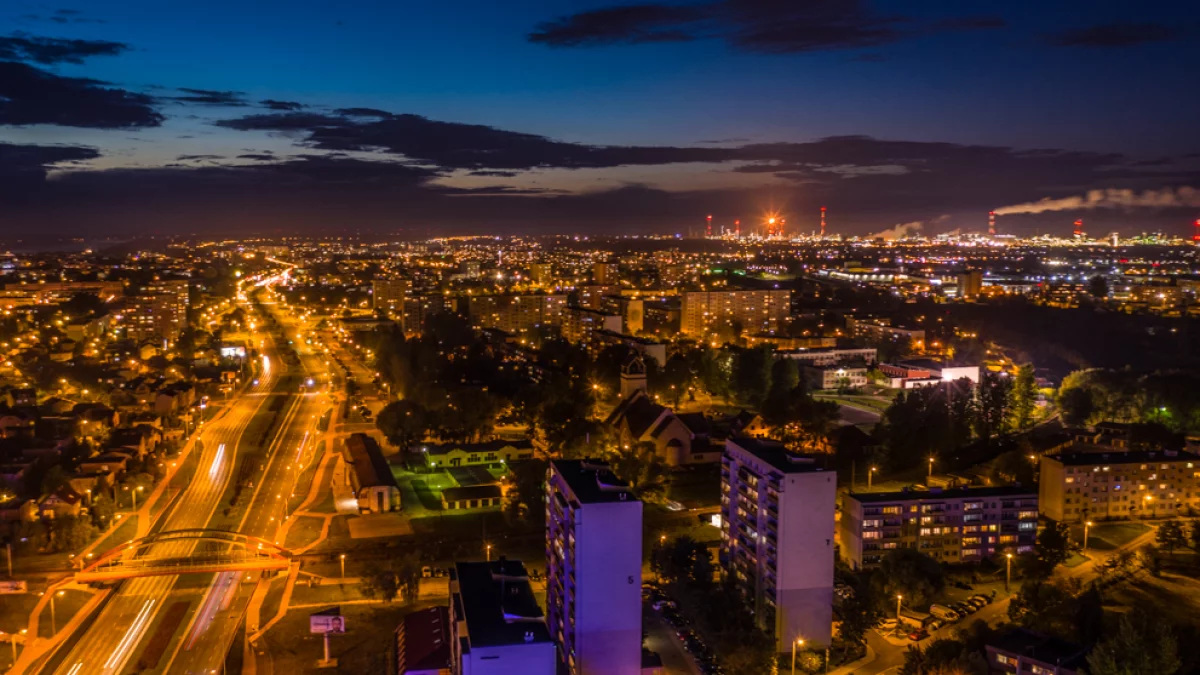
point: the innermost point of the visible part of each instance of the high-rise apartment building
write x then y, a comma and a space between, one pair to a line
777, 525
179, 291
153, 318
705, 314
953, 525
604, 273
389, 295
580, 324
517, 314
496, 625
593, 569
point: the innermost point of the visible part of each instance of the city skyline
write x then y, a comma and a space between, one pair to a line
591, 118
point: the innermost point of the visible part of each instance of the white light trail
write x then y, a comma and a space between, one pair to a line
215, 469
121, 654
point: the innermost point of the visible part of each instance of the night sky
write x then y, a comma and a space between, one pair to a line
473, 116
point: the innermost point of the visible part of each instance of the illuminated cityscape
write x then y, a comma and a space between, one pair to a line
698, 338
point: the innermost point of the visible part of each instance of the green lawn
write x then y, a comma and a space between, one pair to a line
1109, 536
1075, 560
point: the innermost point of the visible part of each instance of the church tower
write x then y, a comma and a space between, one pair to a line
633, 376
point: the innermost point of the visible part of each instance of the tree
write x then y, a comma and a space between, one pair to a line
1170, 536
1098, 287
403, 423
1143, 644
675, 380
683, 560
993, 395
527, 498
1052, 548
102, 511
379, 583
752, 374
1024, 397
860, 612
1195, 535
908, 572
641, 467
69, 533
1047, 606
54, 478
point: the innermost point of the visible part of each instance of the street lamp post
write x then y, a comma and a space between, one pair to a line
870, 474
489, 552
342, 558
930, 474
1008, 571
1086, 526
898, 599
798, 642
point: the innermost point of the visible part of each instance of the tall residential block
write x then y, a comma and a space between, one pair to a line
593, 569
704, 314
777, 526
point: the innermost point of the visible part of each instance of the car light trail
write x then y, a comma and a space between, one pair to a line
121, 654
215, 469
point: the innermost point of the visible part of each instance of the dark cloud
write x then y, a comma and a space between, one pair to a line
363, 112
49, 51
193, 158
211, 97
34, 160
29, 95
452, 145
281, 105
494, 173
971, 23
770, 26
1115, 35
630, 24
259, 156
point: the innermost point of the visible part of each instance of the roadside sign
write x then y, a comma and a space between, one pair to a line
327, 621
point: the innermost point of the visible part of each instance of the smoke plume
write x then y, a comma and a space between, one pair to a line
1111, 199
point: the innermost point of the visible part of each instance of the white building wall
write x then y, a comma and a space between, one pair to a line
524, 659
608, 594
805, 561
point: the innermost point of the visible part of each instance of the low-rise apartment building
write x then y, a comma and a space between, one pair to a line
953, 525
496, 625
1088, 482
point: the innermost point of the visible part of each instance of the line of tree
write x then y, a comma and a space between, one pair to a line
943, 418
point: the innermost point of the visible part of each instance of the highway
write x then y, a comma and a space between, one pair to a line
187, 623
125, 620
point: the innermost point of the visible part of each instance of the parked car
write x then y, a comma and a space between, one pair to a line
943, 612
918, 635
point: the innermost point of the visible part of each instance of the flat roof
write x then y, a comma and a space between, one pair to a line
499, 604
1043, 648
946, 493
1107, 455
592, 481
776, 454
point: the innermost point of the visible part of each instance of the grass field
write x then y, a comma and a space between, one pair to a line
1109, 536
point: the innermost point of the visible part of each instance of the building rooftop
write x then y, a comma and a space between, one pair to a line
427, 640
1049, 650
499, 604
367, 460
1101, 454
592, 481
776, 454
936, 493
